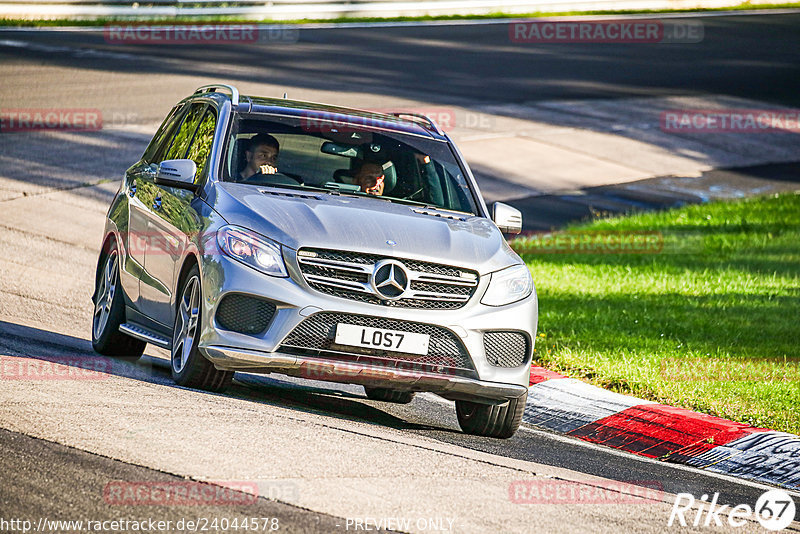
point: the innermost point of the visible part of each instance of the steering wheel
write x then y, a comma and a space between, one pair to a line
272, 179
412, 195
293, 176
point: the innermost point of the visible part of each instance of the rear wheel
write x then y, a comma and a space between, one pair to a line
190, 368
109, 313
389, 395
491, 420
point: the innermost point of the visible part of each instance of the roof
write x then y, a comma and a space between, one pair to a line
313, 111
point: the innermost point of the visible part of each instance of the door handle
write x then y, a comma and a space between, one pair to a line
157, 203
132, 190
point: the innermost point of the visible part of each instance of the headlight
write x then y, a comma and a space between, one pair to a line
251, 249
507, 286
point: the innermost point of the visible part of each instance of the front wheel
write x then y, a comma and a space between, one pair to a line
109, 313
491, 420
190, 368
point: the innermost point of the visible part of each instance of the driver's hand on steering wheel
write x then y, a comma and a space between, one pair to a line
267, 169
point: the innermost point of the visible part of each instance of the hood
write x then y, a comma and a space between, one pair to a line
298, 219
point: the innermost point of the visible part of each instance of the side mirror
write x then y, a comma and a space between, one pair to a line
507, 219
177, 173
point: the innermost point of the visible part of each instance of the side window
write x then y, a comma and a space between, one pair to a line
160, 141
180, 144
201, 146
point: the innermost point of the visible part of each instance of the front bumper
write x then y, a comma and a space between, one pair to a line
447, 386
296, 301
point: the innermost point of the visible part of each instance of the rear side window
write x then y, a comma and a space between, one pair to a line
201, 146
161, 140
182, 140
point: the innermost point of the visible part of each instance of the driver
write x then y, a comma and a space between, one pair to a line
369, 176
261, 154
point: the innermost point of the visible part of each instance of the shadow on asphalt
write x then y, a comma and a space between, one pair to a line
69, 354
69, 161
543, 213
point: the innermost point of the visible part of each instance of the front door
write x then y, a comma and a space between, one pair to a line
140, 189
173, 217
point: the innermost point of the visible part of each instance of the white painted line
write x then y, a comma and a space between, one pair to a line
644, 459
83, 52
433, 23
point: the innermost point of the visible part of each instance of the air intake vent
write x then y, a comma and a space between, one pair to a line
245, 315
316, 335
439, 214
506, 349
290, 195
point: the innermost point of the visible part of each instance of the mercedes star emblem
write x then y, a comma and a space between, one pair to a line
390, 279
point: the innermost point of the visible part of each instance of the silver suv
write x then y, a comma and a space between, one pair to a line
274, 236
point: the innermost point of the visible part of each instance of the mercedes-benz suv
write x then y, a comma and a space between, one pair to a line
359, 251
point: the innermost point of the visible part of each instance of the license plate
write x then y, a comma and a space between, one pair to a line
381, 338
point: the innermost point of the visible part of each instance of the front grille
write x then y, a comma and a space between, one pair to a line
347, 275
506, 349
315, 336
244, 314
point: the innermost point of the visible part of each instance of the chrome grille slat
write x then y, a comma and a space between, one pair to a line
438, 296
347, 275
334, 264
439, 279
341, 284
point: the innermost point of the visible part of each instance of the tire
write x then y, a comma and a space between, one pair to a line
190, 368
109, 312
491, 420
389, 395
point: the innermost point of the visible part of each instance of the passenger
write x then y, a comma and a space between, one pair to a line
369, 176
261, 154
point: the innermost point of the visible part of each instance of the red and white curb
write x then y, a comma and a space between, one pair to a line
667, 433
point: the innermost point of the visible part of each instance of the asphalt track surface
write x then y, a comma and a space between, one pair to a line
747, 56
42, 463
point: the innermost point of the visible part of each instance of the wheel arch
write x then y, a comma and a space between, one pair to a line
189, 261
108, 242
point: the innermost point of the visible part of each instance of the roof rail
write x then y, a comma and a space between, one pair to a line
419, 117
214, 87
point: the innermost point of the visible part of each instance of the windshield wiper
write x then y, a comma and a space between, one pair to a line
333, 190
427, 206
302, 187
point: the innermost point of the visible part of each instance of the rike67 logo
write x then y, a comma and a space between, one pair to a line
774, 510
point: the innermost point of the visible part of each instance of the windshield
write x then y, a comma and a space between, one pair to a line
346, 159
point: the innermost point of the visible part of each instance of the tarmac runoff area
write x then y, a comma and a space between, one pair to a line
565, 161
53, 207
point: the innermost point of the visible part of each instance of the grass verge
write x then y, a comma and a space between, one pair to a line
696, 307
9, 22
